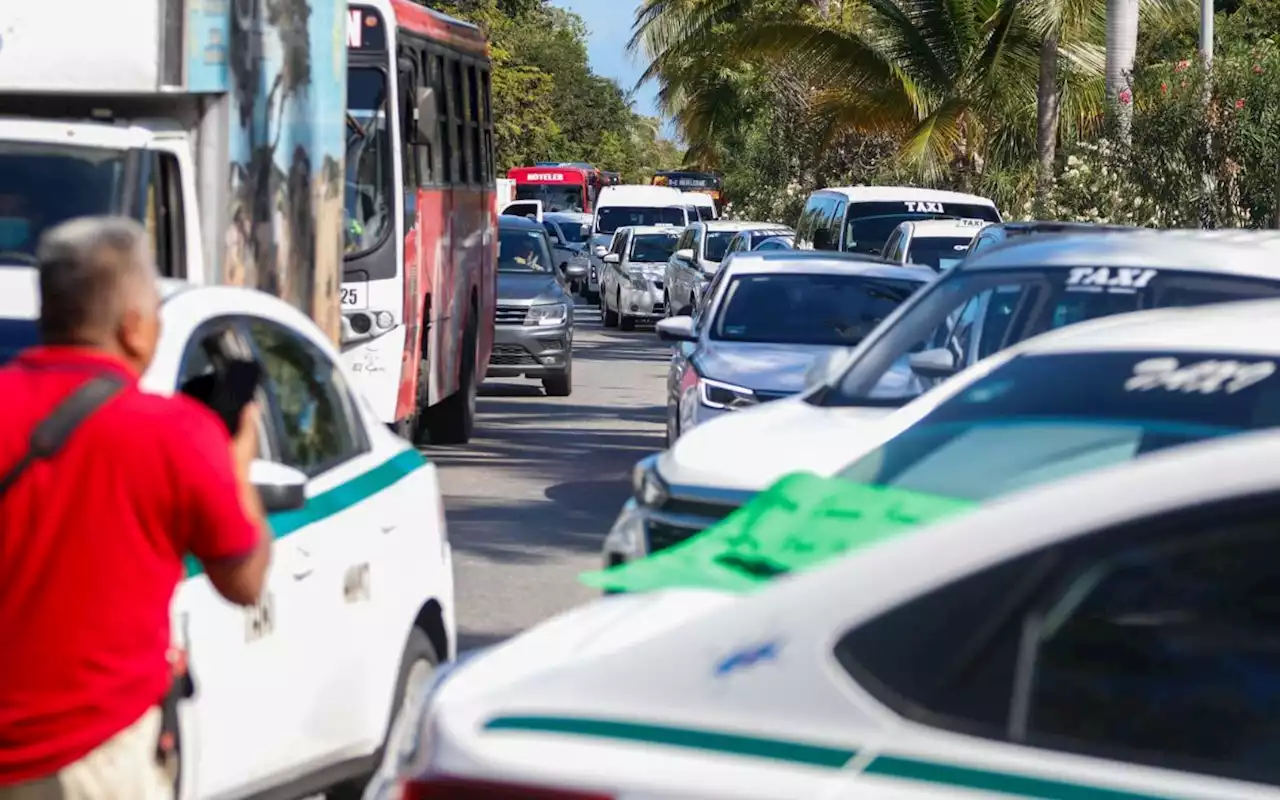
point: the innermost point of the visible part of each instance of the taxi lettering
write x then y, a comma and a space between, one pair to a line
1126, 279
1203, 377
926, 207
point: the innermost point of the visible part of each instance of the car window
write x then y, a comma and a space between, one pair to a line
1022, 303
610, 218
553, 232
717, 244
317, 419
523, 250
652, 247
814, 309
696, 243
1152, 643
868, 225
939, 252
208, 350
573, 231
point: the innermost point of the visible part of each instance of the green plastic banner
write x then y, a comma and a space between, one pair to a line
800, 522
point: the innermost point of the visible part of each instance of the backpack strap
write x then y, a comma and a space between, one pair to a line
53, 431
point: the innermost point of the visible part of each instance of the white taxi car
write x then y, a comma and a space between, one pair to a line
1104, 637
939, 244
295, 696
989, 302
632, 284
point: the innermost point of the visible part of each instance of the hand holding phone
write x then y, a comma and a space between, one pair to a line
227, 390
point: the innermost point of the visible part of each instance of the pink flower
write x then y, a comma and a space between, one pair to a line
1257, 69
1126, 96
1182, 65
1182, 85
1164, 88
1240, 103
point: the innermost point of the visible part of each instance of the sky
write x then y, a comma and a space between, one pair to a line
608, 29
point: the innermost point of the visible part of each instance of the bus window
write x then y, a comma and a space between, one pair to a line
442, 110
458, 100
368, 188
473, 124
487, 106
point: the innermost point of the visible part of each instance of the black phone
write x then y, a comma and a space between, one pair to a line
227, 389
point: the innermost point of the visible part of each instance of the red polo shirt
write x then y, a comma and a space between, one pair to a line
91, 549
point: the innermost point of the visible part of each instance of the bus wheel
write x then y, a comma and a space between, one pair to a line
452, 420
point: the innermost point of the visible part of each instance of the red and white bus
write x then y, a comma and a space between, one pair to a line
564, 187
419, 280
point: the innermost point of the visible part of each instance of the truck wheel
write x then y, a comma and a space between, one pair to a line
559, 385
416, 665
452, 420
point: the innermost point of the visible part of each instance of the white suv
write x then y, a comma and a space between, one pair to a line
698, 254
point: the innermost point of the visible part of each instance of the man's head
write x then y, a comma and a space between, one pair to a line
98, 288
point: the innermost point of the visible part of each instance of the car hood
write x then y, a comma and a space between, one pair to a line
516, 288
773, 368
749, 450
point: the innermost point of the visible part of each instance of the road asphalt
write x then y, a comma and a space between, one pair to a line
531, 497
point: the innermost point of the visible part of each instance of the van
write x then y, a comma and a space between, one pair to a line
860, 219
629, 206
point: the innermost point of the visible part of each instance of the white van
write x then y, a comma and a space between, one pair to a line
859, 219
701, 207
630, 206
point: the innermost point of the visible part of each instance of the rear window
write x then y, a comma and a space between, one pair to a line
938, 252
16, 335
869, 225
1043, 418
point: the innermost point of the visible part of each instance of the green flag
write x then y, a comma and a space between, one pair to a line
800, 522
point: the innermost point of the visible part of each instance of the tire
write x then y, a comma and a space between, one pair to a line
609, 317
419, 654
453, 420
666, 305
626, 322
559, 385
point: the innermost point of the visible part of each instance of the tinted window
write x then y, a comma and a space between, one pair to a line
653, 247
317, 420
1043, 418
1001, 308
610, 218
523, 250
1155, 643
717, 244
939, 252
806, 309
16, 335
554, 198
868, 225
572, 231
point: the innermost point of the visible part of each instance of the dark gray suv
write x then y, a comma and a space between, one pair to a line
533, 337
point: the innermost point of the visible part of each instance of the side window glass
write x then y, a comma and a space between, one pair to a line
319, 425
696, 243
457, 94
448, 167
208, 352
834, 223
552, 233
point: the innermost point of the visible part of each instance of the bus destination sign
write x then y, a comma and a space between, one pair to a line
365, 30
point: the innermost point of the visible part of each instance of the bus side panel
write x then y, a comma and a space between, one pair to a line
443, 341
419, 253
468, 271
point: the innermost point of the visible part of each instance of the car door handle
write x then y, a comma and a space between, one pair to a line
302, 564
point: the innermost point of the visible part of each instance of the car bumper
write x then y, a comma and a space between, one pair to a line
530, 351
643, 303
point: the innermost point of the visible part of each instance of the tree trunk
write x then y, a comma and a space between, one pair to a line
1122, 44
1047, 114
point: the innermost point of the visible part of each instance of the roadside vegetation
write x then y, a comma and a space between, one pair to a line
549, 105
1007, 98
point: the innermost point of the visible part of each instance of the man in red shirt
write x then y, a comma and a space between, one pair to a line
92, 538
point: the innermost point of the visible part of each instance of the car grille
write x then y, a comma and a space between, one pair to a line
680, 519
511, 355
511, 315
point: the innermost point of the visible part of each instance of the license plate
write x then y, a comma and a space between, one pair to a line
355, 295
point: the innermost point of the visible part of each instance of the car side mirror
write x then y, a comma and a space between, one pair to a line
676, 329
575, 270
938, 363
612, 258
601, 251
684, 255
281, 488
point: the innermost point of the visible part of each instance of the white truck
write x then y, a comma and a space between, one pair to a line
217, 124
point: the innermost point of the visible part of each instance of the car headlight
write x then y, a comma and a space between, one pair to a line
549, 314
639, 281
718, 394
646, 485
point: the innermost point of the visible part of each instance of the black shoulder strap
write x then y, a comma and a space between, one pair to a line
54, 430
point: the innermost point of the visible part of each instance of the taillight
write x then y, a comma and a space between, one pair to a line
444, 787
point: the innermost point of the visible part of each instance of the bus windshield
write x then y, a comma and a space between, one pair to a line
42, 185
610, 218
554, 197
367, 204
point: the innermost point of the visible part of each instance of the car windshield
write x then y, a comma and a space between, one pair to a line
798, 308
1043, 418
367, 206
42, 185
718, 244
968, 315
868, 226
939, 252
653, 247
523, 250
572, 230
610, 218
556, 197
16, 335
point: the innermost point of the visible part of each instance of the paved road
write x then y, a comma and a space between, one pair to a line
531, 497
